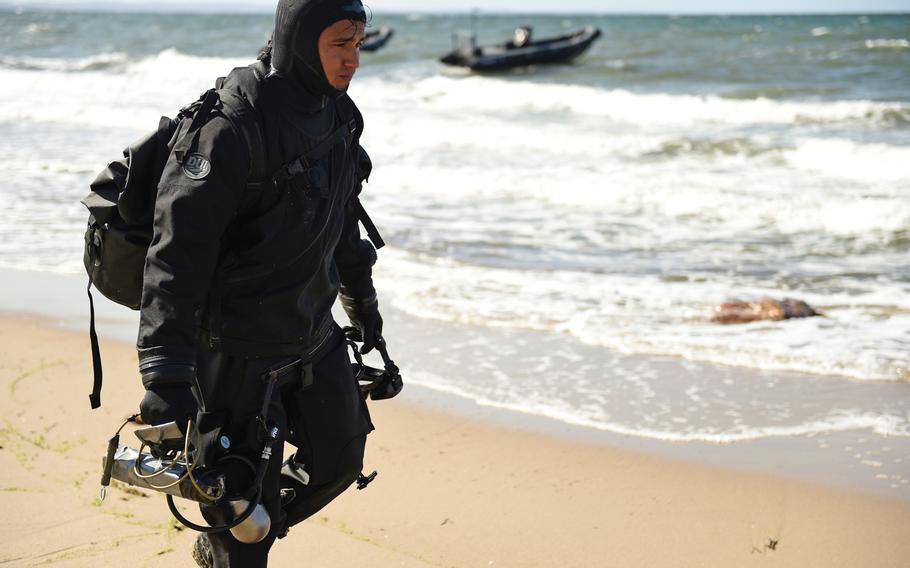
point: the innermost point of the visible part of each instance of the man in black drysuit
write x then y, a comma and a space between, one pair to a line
240, 280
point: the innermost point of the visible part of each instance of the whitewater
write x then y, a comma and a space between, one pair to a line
600, 211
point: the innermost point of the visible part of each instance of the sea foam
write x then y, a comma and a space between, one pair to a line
614, 217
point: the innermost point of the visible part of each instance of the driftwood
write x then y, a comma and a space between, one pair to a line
737, 311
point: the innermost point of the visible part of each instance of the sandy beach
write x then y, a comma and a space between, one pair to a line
452, 491
559, 238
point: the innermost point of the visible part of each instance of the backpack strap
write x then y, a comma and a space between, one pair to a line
347, 108
103, 204
372, 231
351, 127
302, 163
243, 117
95, 396
241, 114
191, 136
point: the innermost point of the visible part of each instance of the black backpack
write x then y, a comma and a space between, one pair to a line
121, 203
122, 200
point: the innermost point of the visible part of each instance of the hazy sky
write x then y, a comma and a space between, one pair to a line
634, 6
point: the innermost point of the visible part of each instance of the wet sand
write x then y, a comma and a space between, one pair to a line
857, 459
452, 491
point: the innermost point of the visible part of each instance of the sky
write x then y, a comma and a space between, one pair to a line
561, 6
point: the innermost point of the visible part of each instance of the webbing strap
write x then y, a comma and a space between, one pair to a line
368, 224
95, 397
301, 164
209, 99
241, 114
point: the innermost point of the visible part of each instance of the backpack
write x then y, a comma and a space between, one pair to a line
121, 203
122, 200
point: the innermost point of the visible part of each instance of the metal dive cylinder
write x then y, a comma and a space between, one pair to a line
149, 472
255, 527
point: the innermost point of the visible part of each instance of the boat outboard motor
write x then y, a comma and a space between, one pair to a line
295, 40
522, 36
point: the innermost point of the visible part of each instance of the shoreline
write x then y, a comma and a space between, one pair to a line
856, 460
453, 491
798, 459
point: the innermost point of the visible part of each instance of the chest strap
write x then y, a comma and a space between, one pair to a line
303, 163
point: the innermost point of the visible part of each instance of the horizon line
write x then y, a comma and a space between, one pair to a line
242, 8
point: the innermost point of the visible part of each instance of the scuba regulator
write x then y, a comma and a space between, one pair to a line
191, 463
377, 384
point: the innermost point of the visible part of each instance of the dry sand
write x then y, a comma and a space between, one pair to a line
451, 492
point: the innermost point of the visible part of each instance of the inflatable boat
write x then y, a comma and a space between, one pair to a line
522, 50
375, 39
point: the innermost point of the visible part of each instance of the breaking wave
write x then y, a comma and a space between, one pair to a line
104, 61
887, 44
170, 76
502, 96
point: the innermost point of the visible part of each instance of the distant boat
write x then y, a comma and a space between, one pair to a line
375, 39
522, 51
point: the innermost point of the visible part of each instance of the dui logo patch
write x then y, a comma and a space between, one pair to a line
196, 166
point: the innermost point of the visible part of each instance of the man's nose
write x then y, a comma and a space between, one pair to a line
352, 61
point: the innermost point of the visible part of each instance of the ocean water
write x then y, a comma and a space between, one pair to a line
605, 205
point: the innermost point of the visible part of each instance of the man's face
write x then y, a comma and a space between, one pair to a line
339, 52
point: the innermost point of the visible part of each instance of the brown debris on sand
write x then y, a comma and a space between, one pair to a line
738, 311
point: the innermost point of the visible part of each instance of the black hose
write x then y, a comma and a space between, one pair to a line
206, 529
258, 480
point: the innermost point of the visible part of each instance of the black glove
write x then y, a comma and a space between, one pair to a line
168, 403
364, 315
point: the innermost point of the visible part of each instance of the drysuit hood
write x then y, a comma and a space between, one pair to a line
295, 39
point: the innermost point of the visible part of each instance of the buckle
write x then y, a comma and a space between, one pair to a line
297, 167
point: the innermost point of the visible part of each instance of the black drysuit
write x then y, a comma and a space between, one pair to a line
239, 280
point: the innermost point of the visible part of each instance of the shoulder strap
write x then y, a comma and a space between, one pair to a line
348, 113
302, 163
242, 115
189, 138
350, 127
372, 231
349, 109
95, 396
